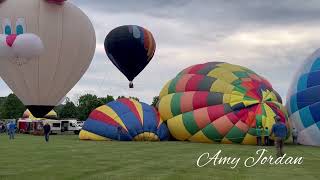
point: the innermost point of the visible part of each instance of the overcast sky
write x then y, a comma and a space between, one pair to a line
270, 37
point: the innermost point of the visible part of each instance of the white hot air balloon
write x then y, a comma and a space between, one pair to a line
45, 48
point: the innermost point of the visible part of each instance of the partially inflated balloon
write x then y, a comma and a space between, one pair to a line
45, 48
130, 48
219, 102
124, 120
303, 101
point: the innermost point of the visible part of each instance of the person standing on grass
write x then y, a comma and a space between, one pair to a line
11, 130
119, 129
294, 136
47, 130
258, 132
279, 130
266, 136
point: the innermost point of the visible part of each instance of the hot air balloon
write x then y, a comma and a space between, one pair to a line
125, 120
218, 102
45, 48
51, 115
303, 101
130, 48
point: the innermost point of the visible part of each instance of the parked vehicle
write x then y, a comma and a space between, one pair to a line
70, 125
26, 125
80, 123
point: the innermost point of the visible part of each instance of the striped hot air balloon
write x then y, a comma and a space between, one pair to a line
219, 102
124, 120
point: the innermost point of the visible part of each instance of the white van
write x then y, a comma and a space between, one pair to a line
63, 126
70, 125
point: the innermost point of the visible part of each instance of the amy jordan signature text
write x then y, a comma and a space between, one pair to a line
206, 159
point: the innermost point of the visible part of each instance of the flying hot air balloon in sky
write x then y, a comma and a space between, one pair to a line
130, 48
45, 48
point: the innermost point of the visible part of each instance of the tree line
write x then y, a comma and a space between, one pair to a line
12, 108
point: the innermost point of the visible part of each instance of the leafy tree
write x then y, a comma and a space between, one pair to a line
58, 109
12, 107
107, 99
2, 100
155, 101
87, 103
69, 110
131, 97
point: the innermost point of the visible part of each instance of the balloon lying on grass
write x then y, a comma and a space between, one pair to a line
130, 48
45, 48
124, 120
303, 101
219, 102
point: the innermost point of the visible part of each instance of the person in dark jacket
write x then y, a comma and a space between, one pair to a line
280, 131
47, 130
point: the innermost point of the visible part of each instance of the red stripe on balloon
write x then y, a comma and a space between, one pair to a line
216, 112
146, 39
196, 68
100, 116
201, 117
182, 82
233, 118
186, 102
200, 99
157, 116
192, 84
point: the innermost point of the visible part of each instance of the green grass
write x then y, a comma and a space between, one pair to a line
66, 157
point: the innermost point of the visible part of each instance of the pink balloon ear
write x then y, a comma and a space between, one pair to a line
55, 1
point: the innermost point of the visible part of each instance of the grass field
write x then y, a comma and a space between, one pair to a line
66, 157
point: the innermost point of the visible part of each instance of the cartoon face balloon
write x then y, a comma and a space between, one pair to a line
45, 48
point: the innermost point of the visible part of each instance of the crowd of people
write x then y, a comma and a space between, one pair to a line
11, 129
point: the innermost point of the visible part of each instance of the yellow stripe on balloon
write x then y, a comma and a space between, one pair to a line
139, 109
108, 111
165, 89
270, 117
218, 86
232, 67
226, 141
249, 139
235, 99
216, 73
200, 137
86, 135
177, 128
250, 102
165, 107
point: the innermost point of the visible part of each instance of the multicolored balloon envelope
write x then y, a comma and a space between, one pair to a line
124, 120
303, 101
130, 48
219, 102
45, 48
